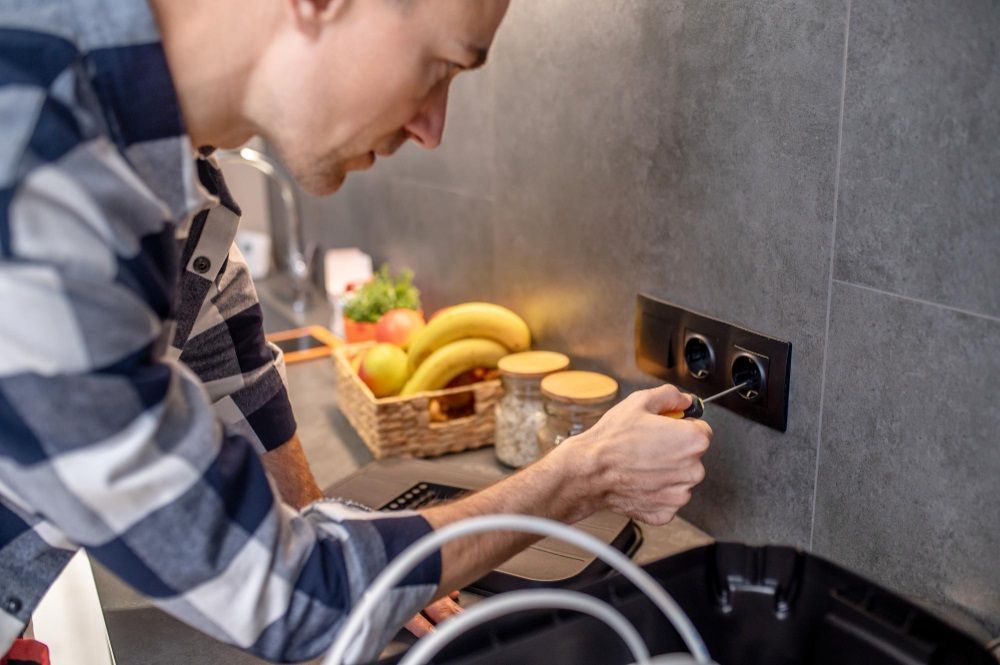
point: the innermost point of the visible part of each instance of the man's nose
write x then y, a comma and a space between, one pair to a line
427, 126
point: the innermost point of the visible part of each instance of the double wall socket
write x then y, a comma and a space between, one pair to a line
706, 356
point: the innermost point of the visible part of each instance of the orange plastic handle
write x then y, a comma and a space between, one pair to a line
696, 410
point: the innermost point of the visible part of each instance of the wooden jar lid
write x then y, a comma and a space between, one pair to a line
575, 387
530, 364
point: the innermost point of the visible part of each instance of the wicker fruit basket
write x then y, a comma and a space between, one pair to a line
424, 425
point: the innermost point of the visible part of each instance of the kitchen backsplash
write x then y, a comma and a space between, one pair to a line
820, 170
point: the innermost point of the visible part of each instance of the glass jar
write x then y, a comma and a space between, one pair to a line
574, 402
520, 412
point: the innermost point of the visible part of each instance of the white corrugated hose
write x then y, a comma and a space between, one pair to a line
347, 648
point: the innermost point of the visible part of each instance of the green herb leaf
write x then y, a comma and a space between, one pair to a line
384, 292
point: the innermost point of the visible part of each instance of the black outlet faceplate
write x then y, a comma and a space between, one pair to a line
661, 331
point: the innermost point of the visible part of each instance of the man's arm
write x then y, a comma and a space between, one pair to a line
118, 447
243, 374
289, 469
633, 461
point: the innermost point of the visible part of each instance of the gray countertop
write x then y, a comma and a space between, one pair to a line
142, 634
334, 451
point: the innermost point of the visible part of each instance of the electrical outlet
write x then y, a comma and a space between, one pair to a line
699, 354
706, 356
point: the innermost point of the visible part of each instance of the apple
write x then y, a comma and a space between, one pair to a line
384, 369
397, 326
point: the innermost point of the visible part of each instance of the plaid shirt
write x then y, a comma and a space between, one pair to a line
136, 388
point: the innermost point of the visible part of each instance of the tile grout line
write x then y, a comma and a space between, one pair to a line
829, 289
494, 169
919, 301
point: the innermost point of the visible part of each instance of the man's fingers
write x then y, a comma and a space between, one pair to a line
696, 437
705, 428
454, 595
434, 613
419, 625
442, 609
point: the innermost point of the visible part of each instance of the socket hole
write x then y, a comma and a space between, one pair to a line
699, 357
747, 368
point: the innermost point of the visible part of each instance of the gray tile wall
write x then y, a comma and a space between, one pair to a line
823, 172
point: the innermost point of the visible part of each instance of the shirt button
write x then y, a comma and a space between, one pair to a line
12, 605
202, 264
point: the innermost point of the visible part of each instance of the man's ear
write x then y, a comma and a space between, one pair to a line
310, 15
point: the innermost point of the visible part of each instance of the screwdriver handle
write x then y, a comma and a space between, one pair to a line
696, 410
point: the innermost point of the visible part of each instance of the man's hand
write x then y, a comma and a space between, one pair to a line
643, 465
434, 614
633, 460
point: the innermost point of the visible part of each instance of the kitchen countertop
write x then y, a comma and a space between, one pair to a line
142, 634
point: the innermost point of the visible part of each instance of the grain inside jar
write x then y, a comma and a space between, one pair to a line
521, 412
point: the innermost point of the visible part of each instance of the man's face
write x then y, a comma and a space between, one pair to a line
355, 84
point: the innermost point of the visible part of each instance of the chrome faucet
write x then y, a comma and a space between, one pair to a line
292, 262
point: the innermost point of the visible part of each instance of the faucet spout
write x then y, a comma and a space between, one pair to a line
293, 260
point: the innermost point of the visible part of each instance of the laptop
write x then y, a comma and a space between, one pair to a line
408, 484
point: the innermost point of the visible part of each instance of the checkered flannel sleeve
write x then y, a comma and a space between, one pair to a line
243, 374
117, 446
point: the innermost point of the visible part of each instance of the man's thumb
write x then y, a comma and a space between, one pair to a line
666, 398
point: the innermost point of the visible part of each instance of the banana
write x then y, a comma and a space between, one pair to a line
451, 360
472, 319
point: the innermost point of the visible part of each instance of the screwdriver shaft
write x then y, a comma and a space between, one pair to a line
697, 408
726, 392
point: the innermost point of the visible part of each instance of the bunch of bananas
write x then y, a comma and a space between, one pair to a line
460, 338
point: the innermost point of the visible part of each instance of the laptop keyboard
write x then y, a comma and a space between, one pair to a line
425, 495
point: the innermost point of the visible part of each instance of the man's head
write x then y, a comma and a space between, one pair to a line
340, 82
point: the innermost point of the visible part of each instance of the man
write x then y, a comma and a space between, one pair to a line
136, 390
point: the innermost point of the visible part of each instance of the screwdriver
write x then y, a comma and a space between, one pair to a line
697, 408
